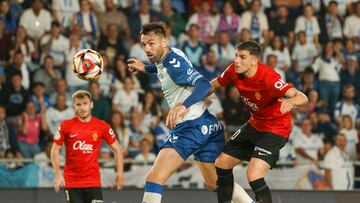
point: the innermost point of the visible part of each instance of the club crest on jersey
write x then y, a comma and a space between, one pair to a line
257, 95
95, 136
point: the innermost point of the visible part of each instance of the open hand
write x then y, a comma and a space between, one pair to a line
175, 115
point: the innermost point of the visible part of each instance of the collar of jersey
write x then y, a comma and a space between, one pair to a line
170, 50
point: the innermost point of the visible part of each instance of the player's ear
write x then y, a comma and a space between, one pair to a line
91, 104
164, 42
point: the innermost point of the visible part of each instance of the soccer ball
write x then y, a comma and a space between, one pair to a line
88, 64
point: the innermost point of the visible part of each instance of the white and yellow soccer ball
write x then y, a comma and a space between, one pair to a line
88, 64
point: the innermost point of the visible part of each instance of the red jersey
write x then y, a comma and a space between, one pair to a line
261, 93
82, 143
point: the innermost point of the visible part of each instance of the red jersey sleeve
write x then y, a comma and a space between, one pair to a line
276, 86
225, 78
108, 134
60, 134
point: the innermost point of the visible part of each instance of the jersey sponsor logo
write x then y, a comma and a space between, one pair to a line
235, 134
204, 129
252, 105
280, 84
95, 136
175, 63
73, 135
257, 95
81, 145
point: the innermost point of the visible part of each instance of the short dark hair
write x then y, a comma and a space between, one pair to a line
253, 47
158, 28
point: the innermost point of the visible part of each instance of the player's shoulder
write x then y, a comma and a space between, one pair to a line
98, 121
176, 58
267, 71
69, 121
230, 69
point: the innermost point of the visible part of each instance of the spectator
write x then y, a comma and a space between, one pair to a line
309, 147
308, 81
272, 61
107, 79
36, 20
207, 22
30, 126
328, 68
343, 5
172, 41
58, 113
282, 25
140, 17
209, 69
351, 134
5, 44
63, 10
160, 132
107, 161
229, 21
4, 133
2, 77
303, 53
352, 24
55, 44
121, 130
10, 20
101, 107
113, 17
192, 47
149, 108
351, 75
145, 156
325, 127
223, 50
256, 21
121, 73
330, 24
112, 45
347, 106
86, 18
313, 103
235, 114
349, 52
48, 75
278, 48
74, 83
61, 88
126, 98
308, 23
18, 65
24, 45
39, 98
13, 155
137, 133
14, 98
339, 171
172, 17
43, 158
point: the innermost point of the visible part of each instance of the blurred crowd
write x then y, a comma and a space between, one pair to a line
313, 44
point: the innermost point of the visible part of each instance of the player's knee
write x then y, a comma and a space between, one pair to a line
152, 177
223, 164
254, 175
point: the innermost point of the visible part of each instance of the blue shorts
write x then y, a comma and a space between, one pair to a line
203, 137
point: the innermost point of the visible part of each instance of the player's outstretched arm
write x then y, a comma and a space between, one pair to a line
55, 160
214, 85
119, 161
137, 65
293, 99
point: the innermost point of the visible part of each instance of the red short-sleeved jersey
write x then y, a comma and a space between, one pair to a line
82, 143
261, 94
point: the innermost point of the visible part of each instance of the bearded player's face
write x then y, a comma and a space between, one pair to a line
244, 61
153, 46
83, 107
